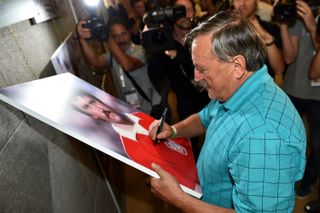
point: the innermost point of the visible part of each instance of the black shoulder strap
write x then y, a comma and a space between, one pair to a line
136, 85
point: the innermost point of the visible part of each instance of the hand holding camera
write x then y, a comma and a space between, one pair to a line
93, 27
158, 37
83, 33
305, 12
286, 11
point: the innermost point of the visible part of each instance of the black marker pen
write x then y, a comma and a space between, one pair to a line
162, 120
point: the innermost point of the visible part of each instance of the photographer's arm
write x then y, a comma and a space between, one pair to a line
305, 12
314, 71
290, 44
128, 63
94, 59
274, 53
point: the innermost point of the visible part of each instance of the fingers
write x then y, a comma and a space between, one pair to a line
83, 32
158, 169
153, 129
165, 133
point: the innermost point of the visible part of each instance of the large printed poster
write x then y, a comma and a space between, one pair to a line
96, 118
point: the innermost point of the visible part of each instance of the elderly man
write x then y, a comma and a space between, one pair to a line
254, 149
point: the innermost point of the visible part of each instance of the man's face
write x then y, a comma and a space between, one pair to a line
139, 9
96, 109
185, 22
216, 75
121, 36
246, 8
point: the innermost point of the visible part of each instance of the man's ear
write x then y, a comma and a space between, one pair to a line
239, 66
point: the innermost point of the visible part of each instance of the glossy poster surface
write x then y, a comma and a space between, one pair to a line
96, 118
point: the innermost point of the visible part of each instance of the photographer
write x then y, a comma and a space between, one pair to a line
174, 68
125, 60
299, 43
268, 32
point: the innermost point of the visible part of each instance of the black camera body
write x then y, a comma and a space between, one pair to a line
97, 28
286, 10
160, 21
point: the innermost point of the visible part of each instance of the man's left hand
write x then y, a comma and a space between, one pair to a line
166, 187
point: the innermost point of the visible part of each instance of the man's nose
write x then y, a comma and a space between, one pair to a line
197, 75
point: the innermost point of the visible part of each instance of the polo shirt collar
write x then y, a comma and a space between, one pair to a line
247, 89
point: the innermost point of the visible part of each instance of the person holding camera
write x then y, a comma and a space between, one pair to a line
269, 33
126, 61
173, 69
254, 149
299, 43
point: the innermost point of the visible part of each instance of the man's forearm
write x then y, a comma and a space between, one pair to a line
190, 127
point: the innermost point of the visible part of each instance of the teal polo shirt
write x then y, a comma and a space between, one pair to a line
254, 148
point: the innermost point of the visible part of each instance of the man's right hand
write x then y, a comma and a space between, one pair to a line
84, 33
166, 132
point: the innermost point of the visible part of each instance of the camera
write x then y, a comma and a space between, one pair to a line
160, 21
97, 28
285, 10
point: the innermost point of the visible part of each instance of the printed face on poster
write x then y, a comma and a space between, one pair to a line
96, 118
